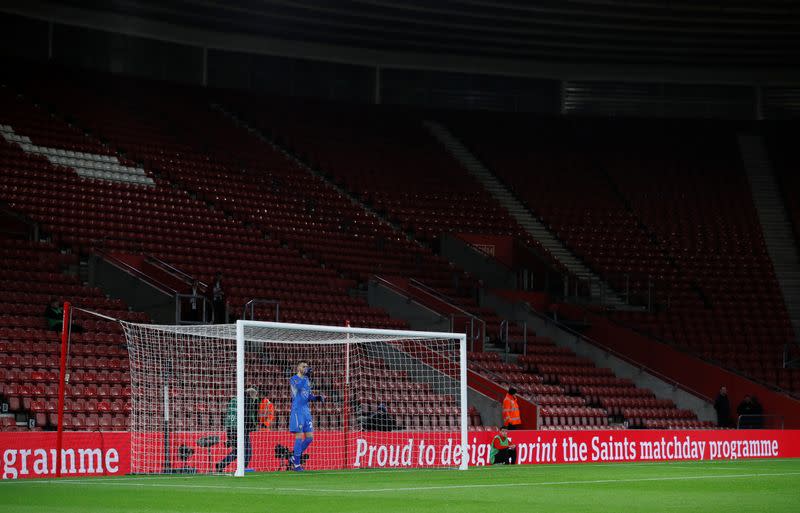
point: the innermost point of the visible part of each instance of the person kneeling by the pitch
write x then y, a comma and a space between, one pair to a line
300, 422
502, 451
250, 425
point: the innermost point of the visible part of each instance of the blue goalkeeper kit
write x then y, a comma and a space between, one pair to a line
300, 416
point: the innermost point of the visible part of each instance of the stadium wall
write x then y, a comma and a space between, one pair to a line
136, 292
398, 304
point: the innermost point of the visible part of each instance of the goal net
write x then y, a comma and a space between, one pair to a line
219, 398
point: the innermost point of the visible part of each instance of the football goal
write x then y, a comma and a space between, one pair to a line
268, 396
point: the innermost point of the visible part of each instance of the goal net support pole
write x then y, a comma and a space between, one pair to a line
66, 324
240, 400
346, 397
462, 382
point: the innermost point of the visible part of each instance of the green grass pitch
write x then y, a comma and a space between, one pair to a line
723, 486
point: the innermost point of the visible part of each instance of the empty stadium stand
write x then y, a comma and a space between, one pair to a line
99, 388
665, 203
388, 162
203, 152
303, 202
169, 223
785, 161
574, 394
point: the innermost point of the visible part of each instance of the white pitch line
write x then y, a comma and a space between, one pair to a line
717, 465
545, 483
246, 489
729, 469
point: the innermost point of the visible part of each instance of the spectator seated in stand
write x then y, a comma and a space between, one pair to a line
380, 420
749, 412
54, 315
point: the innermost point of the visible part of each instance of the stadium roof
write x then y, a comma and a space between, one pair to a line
701, 33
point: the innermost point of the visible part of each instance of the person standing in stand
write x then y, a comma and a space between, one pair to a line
722, 405
217, 294
196, 308
511, 417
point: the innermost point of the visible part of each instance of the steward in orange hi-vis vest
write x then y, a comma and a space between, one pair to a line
511, 417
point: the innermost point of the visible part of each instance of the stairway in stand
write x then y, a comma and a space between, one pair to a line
601, 291
774, 222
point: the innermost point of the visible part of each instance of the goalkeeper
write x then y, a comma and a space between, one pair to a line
300, 417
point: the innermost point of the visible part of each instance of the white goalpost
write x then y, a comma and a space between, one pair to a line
218, 398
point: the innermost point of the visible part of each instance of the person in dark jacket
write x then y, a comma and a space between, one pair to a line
723, 407
380, 420
250, 425
54, 316
745, 411
217, 295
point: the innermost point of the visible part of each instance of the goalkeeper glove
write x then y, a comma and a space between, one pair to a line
319, 398
308, 372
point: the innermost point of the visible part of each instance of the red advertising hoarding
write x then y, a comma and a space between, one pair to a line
27, 455
32, 455
538, 447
